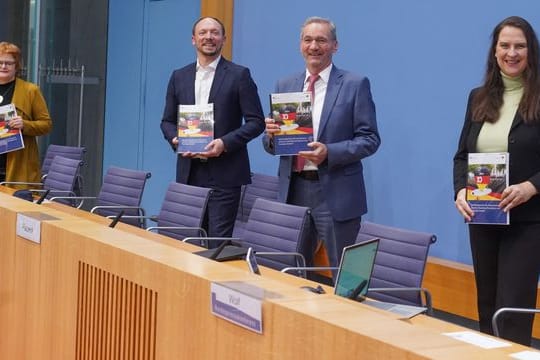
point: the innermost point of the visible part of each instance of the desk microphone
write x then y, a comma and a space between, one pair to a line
43, 196
116, 219
219, 249
357, 290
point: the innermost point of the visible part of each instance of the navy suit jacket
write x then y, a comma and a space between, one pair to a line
234, 95
348, 128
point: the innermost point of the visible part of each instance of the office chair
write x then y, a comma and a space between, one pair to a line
277, 233
399, 265
122, 189
182, 211
61, 180
262, 186
499, 312
71, 152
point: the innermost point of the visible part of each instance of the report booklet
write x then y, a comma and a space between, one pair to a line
292, 112
10, 139
486, 180
195, 127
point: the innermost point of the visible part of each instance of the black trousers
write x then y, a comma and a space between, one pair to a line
506, 262
222, 205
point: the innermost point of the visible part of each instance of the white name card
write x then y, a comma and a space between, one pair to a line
236, 307
29, 225
477, 339
29, 228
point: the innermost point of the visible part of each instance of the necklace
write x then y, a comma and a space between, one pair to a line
5, 92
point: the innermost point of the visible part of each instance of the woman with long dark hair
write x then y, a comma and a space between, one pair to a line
503, 115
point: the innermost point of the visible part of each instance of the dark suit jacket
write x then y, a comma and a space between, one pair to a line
234, 95
524, 149
348, 128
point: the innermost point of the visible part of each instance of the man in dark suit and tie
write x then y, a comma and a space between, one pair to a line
329, 178
238, 118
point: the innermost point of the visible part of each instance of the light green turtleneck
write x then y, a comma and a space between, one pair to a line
493, 137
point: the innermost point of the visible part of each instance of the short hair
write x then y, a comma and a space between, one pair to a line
320, 20
13, 50
208, 17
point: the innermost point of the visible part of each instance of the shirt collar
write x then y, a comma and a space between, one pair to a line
212, 66
324, 75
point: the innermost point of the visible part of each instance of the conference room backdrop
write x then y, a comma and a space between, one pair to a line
422, 58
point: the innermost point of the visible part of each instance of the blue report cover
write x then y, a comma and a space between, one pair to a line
195, 127
487, 178
10, 139
292, 112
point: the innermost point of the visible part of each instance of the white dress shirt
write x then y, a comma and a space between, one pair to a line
203, 81
316, 107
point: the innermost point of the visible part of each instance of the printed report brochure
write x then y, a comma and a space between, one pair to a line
10, 139
292, 112
195, 127
487, 178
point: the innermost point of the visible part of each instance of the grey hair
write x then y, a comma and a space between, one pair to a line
320, 20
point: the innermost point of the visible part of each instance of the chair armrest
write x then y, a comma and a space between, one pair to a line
427, 295
82, 198
300, 259
20, 183
120, 207
51, 191
142, 221
305, 269
202, 240
150, 217
201, 231
509, 309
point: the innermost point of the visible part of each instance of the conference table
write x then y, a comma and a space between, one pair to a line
88, 291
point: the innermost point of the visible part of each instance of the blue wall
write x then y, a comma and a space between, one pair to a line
147, 40
421, 56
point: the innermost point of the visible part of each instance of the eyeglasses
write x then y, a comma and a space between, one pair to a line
7, 63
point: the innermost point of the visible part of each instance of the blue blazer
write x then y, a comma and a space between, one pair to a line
234, 95
348, 128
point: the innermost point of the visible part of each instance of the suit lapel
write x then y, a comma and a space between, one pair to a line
517, 120
189, 86
299, 82
219, 76
332, 91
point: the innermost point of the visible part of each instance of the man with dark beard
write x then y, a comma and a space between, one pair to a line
224, 165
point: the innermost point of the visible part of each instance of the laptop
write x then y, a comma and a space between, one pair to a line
354, 275
355, 269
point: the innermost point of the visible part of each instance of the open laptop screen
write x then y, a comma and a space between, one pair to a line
355, 269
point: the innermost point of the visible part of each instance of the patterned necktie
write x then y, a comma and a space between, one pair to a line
299, 162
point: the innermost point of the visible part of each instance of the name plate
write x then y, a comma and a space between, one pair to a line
237, 307
29, 225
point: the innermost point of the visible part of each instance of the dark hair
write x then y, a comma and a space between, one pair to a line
488, 100
208, 17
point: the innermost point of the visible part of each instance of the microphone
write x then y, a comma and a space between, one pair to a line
116, 219
357, 290
43, 196
219, 249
